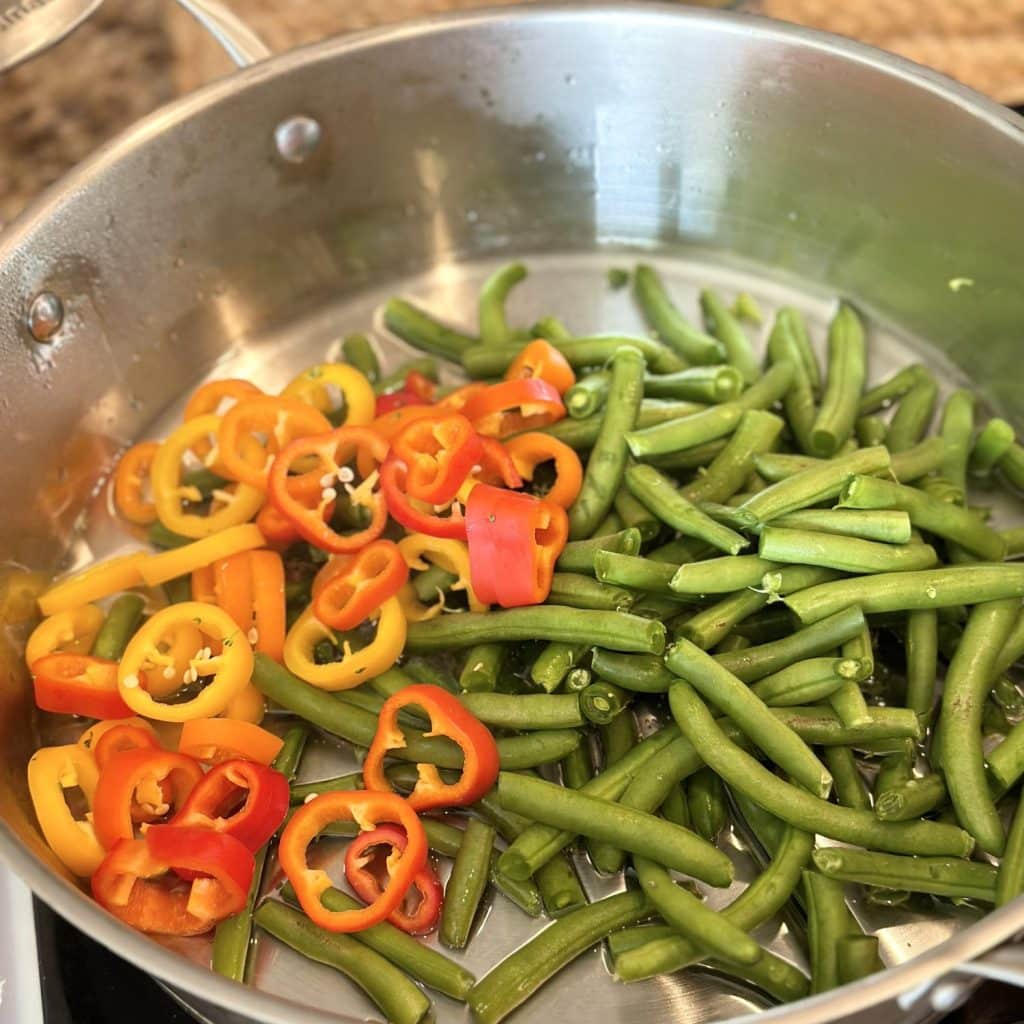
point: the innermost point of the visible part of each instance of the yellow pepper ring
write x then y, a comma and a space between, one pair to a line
171, 658
357, 666
168, 565
311, 387
51, 771
92, 584
231, 668
169, 494
452, 555
72, 631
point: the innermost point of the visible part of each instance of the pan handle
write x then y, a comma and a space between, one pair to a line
239, 41
1005, 964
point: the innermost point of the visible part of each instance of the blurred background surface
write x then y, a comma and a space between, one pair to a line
134, 55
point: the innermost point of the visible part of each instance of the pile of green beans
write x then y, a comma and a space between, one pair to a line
772, 566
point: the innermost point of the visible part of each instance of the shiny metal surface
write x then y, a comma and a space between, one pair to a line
733, 149
31, 26
240, 43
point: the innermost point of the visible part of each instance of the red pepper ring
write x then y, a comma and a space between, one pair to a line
78, 684
136, 883
242, 799
513, 406
422, 920
117, 740
448, 718
369, 810
135, 780
416, 516
497, 466
333, 451
355, 590
417, 390
439, 452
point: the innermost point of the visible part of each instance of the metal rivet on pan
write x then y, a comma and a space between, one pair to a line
45, 316
296, 138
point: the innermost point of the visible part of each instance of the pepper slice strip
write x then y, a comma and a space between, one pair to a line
210, 398
70, 632
528, 451
540, 360
51, 771
249, 586
230, 665
514, 542
150, 781
94, 583
280, 420
369, 810
312, 387
514, 406
137, 880
130, 480
448, 718
213, 740
355, 667
413, 515
78, 684
419, 552
360, 855
332, 450
417, 390
168, 565
236, 503
439, 453
347, 591
241, 799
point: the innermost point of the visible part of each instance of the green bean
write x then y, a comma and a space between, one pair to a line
733, 698
118, 627
721, 575
604, 471
922, 665
706, 805
578, 767
712, 624
358, 352
746, 308
398, 998
636, 515
828, 921
602, 702
1012, 466
697, 457
910, 591
582, 434
911, 799
615, 630
895, 769
422, 331
939, 876
518, 976
575, 590
432, 584
926, 513
883, 395
588, 395
482, 361
822, 638
906, 466
391, 681
482, 668
956, 431
657, 492
850, 706
161, 537
618, 738
768, 831
847, 554
642, 673
611, 524
861, 648
710, 384
303, 791
721, 324
798, 807
1010, 878
847, 368
1006, 762
799, 401
822, 727
756, 432
849, 784
466, 884
560, 887
813, 486
633, 572
914, 413
807, 681
553, 663
524, 711
683, 549
551, 329
871, 431
671, 327
394, 381
577, 679
1007, 696
179, 589
891, 527
494, 329
674, 807
639, 935
579, 556
1014, 539
991, 445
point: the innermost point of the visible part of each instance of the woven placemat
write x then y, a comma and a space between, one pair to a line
135, 54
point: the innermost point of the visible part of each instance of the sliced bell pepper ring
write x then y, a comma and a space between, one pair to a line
280, 420
357, 587
313, 387
496, 467
237, 502
249, 586
91, 736
130, 481
125, 737
279, 530
332, 451
448, 718
368, 810
78, 684
359, 861
51, 771
71, 632
225, 655
514, 406
417, 516
172, 659
150, 781
540, 360
137, 882
455, 401
249, 706
242, 799
168, 565
213, 740
528, 451
514, 541
203, 584
94, 583
417, 390
420, 551
355, 667
210, 398
439, 453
